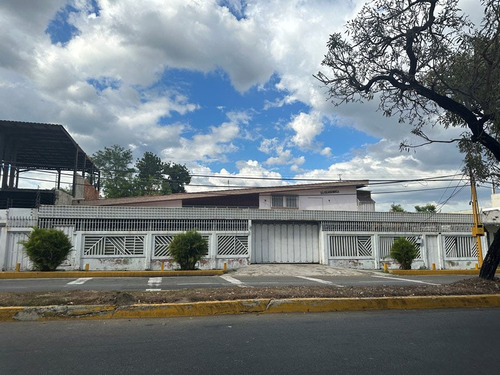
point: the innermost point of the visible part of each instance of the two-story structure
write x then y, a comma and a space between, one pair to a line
328, 196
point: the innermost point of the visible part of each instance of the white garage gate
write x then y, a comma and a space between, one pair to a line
285, 243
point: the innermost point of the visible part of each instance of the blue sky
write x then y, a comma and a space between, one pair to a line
225, 87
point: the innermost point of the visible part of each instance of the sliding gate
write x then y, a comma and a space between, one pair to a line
285, 242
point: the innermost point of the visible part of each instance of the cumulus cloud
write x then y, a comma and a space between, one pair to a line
285, 157
103, 84
269, 145
382, 162
250, 173
327, 151
307, 127
208, 147
282, 156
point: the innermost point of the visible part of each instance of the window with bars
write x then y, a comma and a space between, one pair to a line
350, 246
284, 201
387, 242
161, 245
232, 245
113, 245
291, 201
277, 201
460, 247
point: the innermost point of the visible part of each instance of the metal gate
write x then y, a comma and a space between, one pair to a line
285, 243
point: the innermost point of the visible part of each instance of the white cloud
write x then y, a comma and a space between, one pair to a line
42, 82
269, 145
207, 147
327, 151
250, 174
383, 160
307, 127
180, 34
285, 157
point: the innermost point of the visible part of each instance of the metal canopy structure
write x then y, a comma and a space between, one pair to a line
26, 146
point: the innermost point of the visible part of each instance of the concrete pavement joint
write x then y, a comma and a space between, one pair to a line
263, 306
234, 281
434, 272
403, 279
319, 281
79, 281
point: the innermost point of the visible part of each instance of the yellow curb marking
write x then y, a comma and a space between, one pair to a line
18, 313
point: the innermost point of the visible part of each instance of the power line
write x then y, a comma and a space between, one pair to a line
408, 191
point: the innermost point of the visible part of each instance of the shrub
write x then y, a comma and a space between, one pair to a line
187, 249
403, 252
47, 248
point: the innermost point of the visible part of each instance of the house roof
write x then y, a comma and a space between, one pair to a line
185, 197
41, 146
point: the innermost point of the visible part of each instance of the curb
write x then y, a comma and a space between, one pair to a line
78, 274
434, 272
262, 306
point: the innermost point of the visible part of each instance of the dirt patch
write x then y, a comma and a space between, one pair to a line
92, 297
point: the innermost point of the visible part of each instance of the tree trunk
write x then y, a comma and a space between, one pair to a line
492, 259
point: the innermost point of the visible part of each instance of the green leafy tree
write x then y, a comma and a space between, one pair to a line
426, 63
187, 249
396, 208
404, 252
47, 248
178, 177
114, 164
150, 179
430, 208
156, 177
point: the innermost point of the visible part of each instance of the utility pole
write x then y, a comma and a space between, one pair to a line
478, 228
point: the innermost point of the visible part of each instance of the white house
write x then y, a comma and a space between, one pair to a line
328, 196
133, 238
331, 223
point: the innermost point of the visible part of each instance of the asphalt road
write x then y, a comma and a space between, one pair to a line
458, 341
179, 282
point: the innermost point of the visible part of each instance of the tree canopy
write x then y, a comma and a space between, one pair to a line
114, 164
427, 64
396, 208
429, 207
150, 179
150, 176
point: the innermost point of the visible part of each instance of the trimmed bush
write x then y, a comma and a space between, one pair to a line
47, 248
404, 252
187, 249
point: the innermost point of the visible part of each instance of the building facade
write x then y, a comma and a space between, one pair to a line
138, 238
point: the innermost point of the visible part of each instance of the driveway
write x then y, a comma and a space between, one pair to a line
296, 270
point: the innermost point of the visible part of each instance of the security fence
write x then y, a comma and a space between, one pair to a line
139, 238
